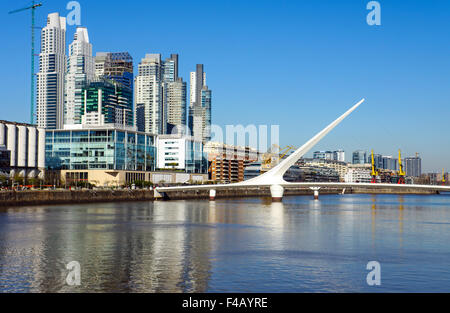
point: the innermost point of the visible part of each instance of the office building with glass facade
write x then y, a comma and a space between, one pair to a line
103, 156
107, 102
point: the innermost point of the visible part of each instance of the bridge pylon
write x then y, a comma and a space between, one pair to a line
277, 192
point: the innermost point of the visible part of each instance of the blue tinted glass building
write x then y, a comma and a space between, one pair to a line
107, 156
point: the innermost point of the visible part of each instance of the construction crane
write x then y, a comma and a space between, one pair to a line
270, 159
33, 8
401, 173
374, 171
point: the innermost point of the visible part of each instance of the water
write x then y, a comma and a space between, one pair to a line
238, 245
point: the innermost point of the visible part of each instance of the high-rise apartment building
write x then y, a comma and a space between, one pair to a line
413, 166
149, 95
174, 95
80, 70
200, 105
170, 73
50, 79
359, 157
117, 66
175, 104
389, 163
338, 155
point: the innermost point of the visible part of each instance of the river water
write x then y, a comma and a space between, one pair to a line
234, 245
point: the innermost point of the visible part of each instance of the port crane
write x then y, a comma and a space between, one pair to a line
374, 171
271, 159
33, 8
401, 173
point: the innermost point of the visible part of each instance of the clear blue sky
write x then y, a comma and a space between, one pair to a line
295, 63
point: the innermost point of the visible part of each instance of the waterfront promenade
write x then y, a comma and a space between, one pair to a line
41, 197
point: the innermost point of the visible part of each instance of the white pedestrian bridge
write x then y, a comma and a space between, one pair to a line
274, 177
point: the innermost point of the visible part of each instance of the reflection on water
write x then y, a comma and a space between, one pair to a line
239, 245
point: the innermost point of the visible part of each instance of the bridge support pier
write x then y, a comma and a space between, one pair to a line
277, 193
157, 195
316, 192
212, 195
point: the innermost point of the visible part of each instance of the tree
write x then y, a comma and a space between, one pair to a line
3, 180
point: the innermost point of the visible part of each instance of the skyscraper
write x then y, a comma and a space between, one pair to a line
338, 155
117, 66
389, 163
413, 166
50, 79
200, 106
80, 70
359, 157
174, 95
149, 95
171, 68
175, 104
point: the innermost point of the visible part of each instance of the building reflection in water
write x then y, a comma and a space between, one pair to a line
121, 248
401, 209
242, 245
373, 218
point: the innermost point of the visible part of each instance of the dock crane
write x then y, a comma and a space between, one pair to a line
374, 171
274, 155
401, 173
33, 8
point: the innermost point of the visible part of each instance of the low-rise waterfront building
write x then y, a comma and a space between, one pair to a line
101, 156
25, 145
338, 166
297, 173
358, 173
228, 163
311, 173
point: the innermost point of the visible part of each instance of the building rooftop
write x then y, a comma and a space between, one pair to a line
17, 123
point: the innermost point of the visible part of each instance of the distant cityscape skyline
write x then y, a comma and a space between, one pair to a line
81, 91
379, 69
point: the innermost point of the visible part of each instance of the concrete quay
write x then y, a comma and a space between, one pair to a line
45, 197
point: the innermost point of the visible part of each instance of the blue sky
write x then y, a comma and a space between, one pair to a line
298, 64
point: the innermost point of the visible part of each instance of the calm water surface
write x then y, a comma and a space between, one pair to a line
239, 245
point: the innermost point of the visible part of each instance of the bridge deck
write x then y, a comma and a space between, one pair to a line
307, 185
